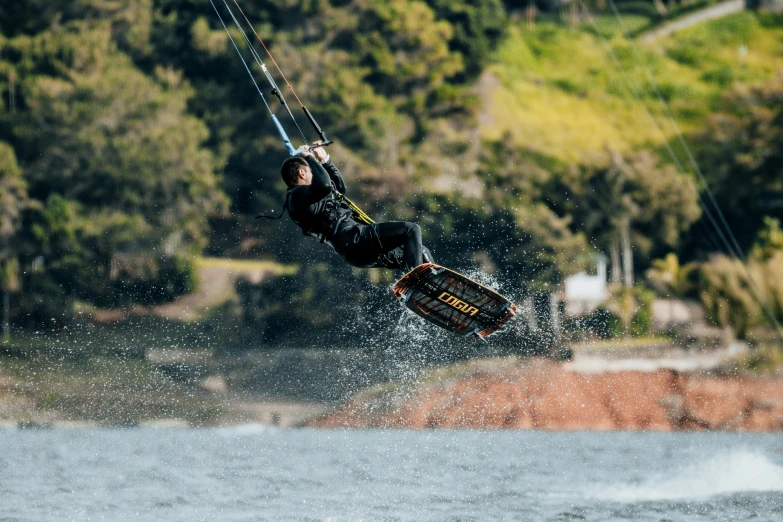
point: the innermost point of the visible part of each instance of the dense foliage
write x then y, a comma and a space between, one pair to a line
131, 140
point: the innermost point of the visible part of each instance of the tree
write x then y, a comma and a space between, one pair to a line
405, 47
478, 26
13, 196
507, 219
13, 199
744, 295
28, 17
631, 201
769, 241
741, 154
102, 133
117, 147
669, 276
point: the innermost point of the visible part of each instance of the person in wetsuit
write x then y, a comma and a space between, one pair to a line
313, 202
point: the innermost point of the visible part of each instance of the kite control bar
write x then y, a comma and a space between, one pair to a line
325, 142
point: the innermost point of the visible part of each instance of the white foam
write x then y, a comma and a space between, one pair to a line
482, 278
251, 428
735, 472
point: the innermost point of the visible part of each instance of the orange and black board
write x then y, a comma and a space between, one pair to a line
453, 301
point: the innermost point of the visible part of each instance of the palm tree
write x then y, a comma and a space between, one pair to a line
670, 276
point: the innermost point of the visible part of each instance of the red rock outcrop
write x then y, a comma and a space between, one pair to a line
543, 395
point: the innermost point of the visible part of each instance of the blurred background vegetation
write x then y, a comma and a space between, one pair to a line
523, 137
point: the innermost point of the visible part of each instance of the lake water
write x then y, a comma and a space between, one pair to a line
254, 473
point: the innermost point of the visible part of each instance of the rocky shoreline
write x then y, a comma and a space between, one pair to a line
545, 395
510, 393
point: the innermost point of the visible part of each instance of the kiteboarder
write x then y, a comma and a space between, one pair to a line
315, 201
316, 198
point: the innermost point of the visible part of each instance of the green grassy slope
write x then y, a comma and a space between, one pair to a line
560, 92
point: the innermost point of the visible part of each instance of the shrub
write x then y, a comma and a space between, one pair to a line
600, 323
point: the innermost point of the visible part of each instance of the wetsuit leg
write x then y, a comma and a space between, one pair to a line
407, 235
397, 242
394, 259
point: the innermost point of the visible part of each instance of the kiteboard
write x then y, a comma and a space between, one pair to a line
453, 301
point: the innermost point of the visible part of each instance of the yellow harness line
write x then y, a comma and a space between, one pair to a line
360, 214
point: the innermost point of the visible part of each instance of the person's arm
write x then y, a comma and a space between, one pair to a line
335, 175
319, 188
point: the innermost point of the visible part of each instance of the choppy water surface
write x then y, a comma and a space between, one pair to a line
251, 473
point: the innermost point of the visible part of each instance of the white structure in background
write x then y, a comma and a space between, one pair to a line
668, 313
585, 292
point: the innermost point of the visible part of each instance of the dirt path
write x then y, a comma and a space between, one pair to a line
217, 278
710, 13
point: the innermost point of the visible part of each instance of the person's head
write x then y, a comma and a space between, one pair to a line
295, 171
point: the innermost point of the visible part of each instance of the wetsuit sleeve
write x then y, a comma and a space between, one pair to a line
336, 176
320, 186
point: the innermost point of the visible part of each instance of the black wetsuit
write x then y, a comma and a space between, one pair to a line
318, 210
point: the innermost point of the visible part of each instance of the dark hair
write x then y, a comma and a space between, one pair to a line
290, 170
